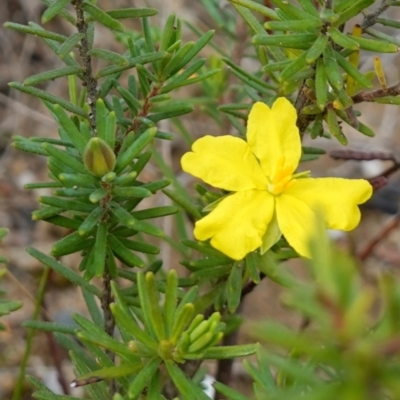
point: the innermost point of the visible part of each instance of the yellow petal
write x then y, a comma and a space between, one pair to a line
224, 162
236, 226
297, 222
273, 136
336, 198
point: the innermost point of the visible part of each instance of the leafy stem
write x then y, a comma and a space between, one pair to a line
88, 79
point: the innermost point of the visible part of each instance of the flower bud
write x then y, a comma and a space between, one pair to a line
98, 157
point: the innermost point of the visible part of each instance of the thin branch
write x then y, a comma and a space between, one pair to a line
375, 94
88, 79
250, 287
377, 181
361, 155
370, 19
369, 248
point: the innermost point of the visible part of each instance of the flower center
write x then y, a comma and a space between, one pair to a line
280, 182
284, 178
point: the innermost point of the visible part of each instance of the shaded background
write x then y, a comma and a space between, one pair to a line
21, 56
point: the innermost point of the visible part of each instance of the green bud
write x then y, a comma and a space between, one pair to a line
200, 330
110, 177
201, 342
98, 157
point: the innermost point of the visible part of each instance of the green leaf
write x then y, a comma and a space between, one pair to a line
126, 219
93, 308
228, 392
143, 378
251, 79
321, 84
23, 144
184, 201
109, 55
146, 306
99, 252
334, 127
50, 98
316, 49
66, 204
70, 44
379, 46
132, 62
127, 156
251, 266
105, 123
91, 221
171, 68
170, 111
49, 326
394, 100
251, 21
70, 128
355, 8
203, 247
35, 31
131, 101
125, 318
62, 13
124, 253
294, 25
98, 195
63, 270
168, 32
199, 44
102, 17
211, 273
114, 372
182, 318
291, 10
223, 352
174, 84
132, 191
299, 41
53, 10
293, 68
155, 315
155, 212
171, 301
333, 72
71, 244
157, 185
73, 192
123, 13
257, 7
71, 180
65, 158
342, 40
45, 212
137, 246
51, 75
187, 388
209, 262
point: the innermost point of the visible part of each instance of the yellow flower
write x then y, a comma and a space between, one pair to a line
269, 199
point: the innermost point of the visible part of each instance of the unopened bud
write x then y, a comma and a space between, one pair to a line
98, 157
